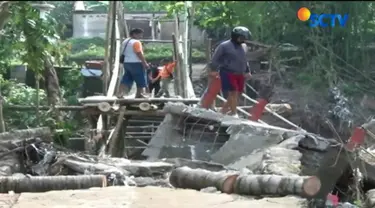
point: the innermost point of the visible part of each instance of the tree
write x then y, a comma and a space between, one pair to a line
35, 40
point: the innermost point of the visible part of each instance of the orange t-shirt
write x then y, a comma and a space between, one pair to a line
137, 47
167, 70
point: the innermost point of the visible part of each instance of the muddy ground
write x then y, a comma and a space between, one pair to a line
132, 197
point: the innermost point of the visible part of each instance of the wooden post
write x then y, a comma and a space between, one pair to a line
124, 32
179, 64
152, 23
113, 37
114, 139
103, 120
190, 43
2, 123
185, 68
106, 67
177, 71
208, 50
122, 28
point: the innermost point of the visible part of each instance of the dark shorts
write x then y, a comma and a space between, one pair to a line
231, 82
134, 72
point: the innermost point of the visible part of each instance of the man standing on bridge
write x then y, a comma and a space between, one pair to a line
230, 63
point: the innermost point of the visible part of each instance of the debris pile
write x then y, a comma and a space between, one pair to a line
224, 154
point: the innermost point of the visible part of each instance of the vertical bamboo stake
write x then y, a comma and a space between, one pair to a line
124, 32
175, 52
37, 98
152, 22
179, 67
106, 72
106, 68
190, 43
2, 123
208, 50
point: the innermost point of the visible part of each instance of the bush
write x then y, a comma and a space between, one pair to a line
81, 44
20, 94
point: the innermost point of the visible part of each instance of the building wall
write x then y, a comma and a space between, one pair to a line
89, 24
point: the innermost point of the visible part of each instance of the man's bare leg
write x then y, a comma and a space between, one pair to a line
233, 103
123, 90
227, 105
141, 93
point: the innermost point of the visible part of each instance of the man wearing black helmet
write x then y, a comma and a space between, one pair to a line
230, 63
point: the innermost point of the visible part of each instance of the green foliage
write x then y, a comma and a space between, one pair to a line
92, 50
73, 80
81, 44
91, 53
64, 13
329, 55
20, 94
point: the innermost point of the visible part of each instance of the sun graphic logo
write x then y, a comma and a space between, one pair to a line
322, 20
303, 14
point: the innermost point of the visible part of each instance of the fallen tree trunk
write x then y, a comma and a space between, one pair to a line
49, 183
276, 185
198, 179
42, 132
231, 182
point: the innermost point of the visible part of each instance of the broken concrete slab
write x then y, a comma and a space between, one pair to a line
244, 139
165, 135
281, 159
245, 135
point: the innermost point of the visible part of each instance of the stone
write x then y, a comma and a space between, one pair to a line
210, 190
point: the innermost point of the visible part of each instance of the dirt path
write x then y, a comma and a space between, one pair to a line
148, 197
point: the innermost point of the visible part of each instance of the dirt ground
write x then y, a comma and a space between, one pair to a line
132, 197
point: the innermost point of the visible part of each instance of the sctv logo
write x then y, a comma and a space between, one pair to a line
321, 20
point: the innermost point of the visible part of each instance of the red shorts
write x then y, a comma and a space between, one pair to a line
232, 82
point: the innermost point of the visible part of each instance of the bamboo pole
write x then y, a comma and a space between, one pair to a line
125, 101
113, 138
178, 69
107, 65
2, 123
240, 110
189, 42
179, 61
100, 124
274, 114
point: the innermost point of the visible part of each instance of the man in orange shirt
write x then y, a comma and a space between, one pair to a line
166, 75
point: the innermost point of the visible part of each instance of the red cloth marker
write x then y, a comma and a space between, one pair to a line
211, 93
357, 139
257, 111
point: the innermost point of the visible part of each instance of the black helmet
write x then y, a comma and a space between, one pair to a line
241, 31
